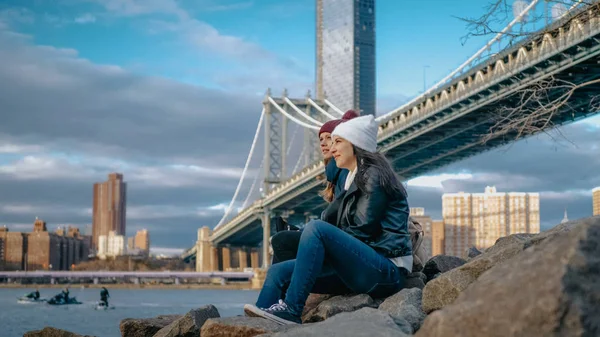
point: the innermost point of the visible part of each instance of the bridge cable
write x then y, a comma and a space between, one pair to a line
302, 113
333, 107
321, 110
294, 119
464, 65
262, 162
299, 160
239, 185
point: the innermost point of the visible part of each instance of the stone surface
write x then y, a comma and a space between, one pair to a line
238, 326
366, 322
312, 302
145, 327
445, 288
470, 253
405, 305
190, 324
51, 332
551, 289
441, 264
415, 280
338, 304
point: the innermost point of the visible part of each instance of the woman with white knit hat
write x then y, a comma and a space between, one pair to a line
362, 240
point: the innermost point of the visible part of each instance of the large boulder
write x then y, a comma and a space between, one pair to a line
52, 332
190, 324
338, 304
415, 280
238, 326
145, 327
366, 322
312, 302
441, 264
445, 288
550, 289
405, 305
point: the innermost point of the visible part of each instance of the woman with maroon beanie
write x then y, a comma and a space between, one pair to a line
285, 243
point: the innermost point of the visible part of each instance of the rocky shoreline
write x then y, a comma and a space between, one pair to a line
545, 284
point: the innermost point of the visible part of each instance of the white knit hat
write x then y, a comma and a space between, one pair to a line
360, 131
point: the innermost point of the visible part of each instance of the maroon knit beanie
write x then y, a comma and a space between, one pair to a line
329, 126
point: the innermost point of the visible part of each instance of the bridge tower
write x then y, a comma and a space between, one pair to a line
276, 134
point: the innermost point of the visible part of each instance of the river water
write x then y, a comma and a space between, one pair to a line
19, 318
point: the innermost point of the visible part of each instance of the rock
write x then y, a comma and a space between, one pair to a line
470, 253
52, 332
366, 322
415, 280
312, 302
441, 264
405, 305
238, 326
445, 288
337, 304
190, 324
551, 289
145, 327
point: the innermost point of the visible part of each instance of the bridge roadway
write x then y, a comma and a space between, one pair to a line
122, 275
448, 125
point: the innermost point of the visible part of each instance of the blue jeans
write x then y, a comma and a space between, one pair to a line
330, 261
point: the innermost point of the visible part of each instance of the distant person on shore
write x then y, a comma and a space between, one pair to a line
34, 295
285, 242
104, 296
362, 240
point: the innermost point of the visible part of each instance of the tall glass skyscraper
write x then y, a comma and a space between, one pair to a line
346, 53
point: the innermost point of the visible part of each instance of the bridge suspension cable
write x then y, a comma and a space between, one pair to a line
300, 112
299, 160
335, 108
321, 110
262, 162
294, 119
239, 185
464, 65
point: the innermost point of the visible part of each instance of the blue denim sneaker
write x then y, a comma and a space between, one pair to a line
278, 313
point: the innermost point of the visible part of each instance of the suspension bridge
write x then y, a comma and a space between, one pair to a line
444, 124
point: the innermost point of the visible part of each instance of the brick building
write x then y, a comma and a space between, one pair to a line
42, 250
109, 207
13, 247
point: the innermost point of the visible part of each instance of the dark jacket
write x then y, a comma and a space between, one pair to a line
373, 217
336, 176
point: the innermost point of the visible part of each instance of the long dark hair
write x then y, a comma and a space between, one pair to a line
388, 179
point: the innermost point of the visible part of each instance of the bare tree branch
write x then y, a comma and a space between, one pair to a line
536, 107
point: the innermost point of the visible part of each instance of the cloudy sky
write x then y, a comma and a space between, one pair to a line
169, 93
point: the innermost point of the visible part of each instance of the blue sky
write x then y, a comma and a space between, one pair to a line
169, 92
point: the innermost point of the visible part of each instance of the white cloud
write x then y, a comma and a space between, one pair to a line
33, 167
17, 148
17, 15
146, 212
35, 210
436, 181
197, 33
85, 18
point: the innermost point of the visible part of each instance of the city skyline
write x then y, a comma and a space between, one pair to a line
175, 112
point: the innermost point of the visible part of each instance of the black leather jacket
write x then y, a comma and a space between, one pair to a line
374, 217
